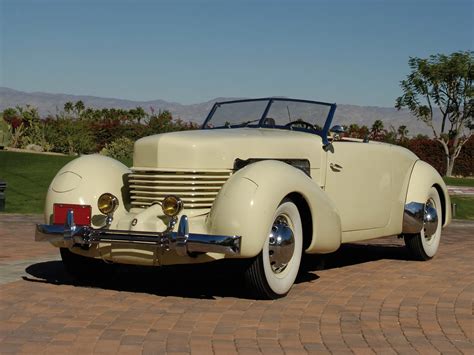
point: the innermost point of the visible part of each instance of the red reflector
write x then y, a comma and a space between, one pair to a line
82, 213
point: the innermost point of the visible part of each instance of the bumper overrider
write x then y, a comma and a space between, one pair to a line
181, 241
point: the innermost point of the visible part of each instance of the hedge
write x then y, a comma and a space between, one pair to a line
432, 152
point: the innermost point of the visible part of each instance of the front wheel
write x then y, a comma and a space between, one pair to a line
272, 273
423, 245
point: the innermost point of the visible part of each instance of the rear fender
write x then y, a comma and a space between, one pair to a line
423, 177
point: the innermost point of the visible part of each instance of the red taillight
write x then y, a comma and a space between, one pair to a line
82, 213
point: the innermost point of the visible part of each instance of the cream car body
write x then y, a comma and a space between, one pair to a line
233, 179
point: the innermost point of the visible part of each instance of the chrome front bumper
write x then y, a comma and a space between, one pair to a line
182, 242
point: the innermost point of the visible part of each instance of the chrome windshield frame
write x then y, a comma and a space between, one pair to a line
323, 133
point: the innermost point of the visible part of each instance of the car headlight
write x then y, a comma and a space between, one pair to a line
171, 206
107, 203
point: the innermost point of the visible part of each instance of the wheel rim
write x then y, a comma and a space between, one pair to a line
281, 244
430, 220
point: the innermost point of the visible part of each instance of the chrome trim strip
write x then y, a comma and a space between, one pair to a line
182, 242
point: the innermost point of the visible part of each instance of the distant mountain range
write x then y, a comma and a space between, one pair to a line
48, 103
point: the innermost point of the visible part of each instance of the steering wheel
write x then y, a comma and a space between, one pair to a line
301, 124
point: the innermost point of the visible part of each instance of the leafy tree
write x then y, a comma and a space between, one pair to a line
442, 84
9, 114
163, 122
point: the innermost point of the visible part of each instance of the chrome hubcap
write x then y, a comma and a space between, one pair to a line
281, 245
430, 219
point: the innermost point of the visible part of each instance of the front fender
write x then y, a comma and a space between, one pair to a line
83, 180
247, 202
423, 177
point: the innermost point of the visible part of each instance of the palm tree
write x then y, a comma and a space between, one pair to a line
68, 107
353, 130
79, 107
376, 129
139, 114
402, 132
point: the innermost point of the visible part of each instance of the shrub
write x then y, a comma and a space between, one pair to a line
5, 133
432, 152
120, 149
34, 135
69, 137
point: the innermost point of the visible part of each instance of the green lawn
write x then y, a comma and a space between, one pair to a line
28, 177
464, 204
459, 181
464, 207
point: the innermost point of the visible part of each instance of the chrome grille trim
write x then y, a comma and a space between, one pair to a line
197, 188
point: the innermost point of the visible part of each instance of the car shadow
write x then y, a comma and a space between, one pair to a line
357, 253
208, 281
205, 281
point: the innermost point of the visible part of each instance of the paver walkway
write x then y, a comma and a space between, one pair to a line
369, 298
461, 190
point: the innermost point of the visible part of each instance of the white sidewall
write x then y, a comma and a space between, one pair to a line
430, 245
282, 282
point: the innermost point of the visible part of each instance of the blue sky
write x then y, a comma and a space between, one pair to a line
343, 51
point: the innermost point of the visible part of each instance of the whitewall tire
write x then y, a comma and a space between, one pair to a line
422, 245
272, 273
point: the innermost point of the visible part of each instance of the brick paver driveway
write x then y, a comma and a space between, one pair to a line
367, 298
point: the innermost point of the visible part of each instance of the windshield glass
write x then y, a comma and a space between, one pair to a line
237, 114
270, 113
297, 114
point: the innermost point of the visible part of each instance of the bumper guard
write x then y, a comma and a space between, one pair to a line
183, 242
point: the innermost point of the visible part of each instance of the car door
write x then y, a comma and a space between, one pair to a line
358, 180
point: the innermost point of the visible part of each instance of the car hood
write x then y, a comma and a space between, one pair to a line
218, 148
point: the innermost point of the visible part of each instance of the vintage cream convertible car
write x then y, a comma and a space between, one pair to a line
263, 180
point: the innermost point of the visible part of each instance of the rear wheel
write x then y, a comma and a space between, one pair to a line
86, 269
272, 273
424, 245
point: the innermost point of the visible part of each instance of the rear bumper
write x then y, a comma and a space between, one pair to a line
182, 242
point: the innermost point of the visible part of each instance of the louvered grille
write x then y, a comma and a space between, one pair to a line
197, 189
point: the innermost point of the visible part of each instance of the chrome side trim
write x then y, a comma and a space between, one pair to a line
182, 242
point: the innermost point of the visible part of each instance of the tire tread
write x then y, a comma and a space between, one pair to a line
414, 245
256, 283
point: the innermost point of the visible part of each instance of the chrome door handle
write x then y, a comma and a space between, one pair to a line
335, 167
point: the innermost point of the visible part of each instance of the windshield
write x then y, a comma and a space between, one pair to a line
272, 113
